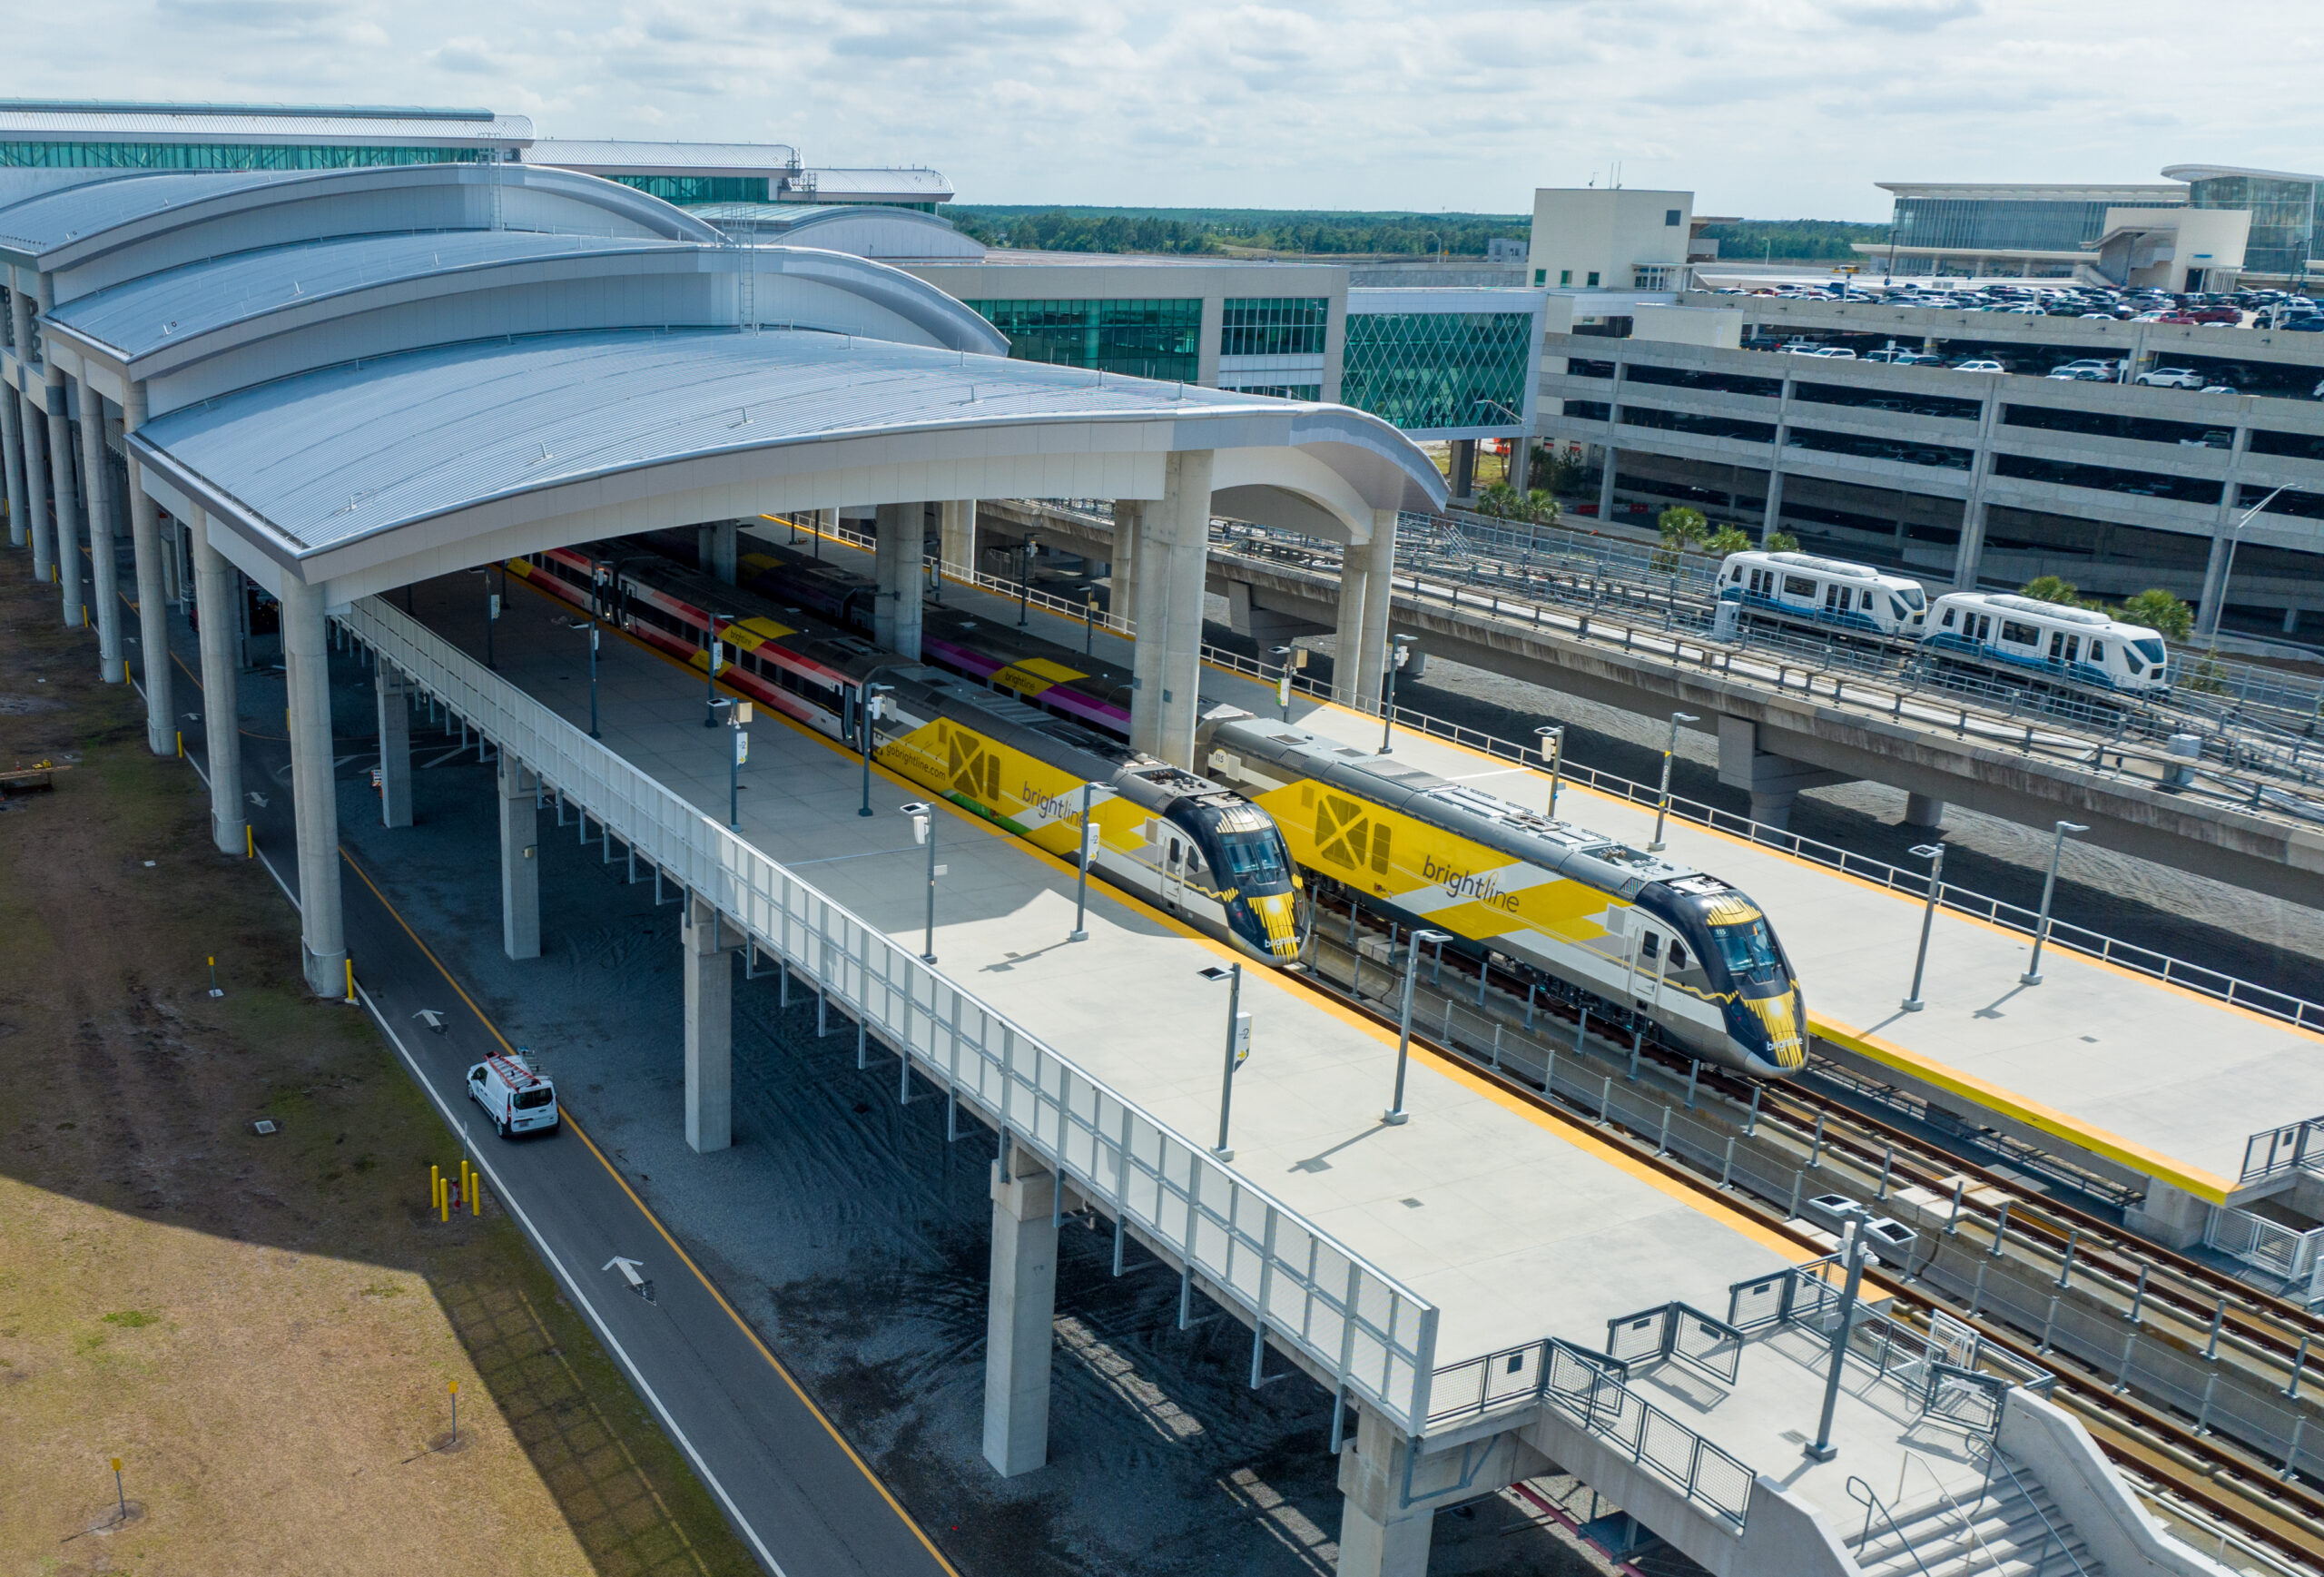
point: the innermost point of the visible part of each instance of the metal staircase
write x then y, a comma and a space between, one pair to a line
2011, 1529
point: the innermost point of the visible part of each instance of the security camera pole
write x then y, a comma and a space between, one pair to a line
710, 687
1396, 1113
923, 831
1552, 740
1935, 855
1238, 1047
1399, 654
870, 704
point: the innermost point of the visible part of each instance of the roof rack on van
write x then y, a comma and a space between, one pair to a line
513, 1072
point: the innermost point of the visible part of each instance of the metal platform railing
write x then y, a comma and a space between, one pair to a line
1345, 1316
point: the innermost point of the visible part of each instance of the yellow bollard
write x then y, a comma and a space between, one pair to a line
434, 1187
350, 982
475, 1193
250, 842
181, 744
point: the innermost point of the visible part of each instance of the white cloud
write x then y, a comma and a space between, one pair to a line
1777, 108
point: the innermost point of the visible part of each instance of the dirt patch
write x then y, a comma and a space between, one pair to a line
264, 1329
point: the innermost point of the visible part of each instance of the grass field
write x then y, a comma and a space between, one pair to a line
263, 1329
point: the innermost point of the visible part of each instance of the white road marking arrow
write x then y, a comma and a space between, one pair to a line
432, 1018
640, 1285
258, 799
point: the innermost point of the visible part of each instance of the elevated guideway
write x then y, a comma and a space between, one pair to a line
1454, 1280
1793, 719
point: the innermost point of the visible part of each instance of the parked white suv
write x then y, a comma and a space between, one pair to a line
1979, 366
517, 1096
2171, 377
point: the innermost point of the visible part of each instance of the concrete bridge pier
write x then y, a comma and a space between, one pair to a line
956, 536
715, 548
1174, 550
520, 869
1393, 1492
32, 434
216, 584
1923, 811
897, 561
11, 458
1772, 781
710, 1028
1379, 604
154, 559
66, 497
1347, 640
395, 747
1121, 570
1019, 1318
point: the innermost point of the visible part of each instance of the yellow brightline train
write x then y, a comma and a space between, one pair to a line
1606, 926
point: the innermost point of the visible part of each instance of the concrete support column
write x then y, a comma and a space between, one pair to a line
1381, 1533
1464, 467
719, 564
216, 586
1771, 514
2212, 603
1521, 462
1923, 811
395, 748
67, 500
899, 561
1347, 642
1019, 1318
956, 536
710, 1028
306, 661
172, 554
32, 432
1606, 484
1969, 557
1773, 781
520, 866
1174, 545
12, 457
159, 673
1121, 595
1379, 606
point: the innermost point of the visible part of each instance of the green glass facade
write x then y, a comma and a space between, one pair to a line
1428, 371
1145, 338
45, 155
1286, 390
688, 190
2284, 219
1273, 325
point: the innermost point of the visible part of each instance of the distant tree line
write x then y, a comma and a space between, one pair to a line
1205, 230
1792, 240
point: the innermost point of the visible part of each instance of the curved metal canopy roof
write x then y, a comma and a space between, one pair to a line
359, 466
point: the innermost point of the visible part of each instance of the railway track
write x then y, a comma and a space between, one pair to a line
2222, 1481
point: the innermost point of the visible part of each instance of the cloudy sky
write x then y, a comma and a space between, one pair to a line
1766, 108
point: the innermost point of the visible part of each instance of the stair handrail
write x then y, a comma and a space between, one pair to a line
1968, 1525
2050, 1534
1870, 1502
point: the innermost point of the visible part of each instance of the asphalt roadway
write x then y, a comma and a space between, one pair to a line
795, 1491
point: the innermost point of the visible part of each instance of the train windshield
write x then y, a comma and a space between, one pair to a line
2151, 650
1913, 594
1254, 859
1747, 950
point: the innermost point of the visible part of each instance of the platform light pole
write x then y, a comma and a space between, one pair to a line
1025, 552
1662, 800
2033, 975
1238, 1047
1935, 855
1288, 660
1089, 834
1400, 652
590, 625
710, 671
871, 701
738, 716
1852, 1256
923, 831
1552, 738
1396, 1113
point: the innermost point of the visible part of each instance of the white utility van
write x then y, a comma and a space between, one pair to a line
518, 1098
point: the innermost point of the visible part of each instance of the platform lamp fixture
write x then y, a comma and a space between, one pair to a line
717, 661
2033, 975
1400, 652
923, 831
1852, 1255
1552, 738
1026, 552
1935, 855
1396, 1113
871, 704
589, 624
1238, 1052
1091, 836
1288, 660
1662, 800
738, 717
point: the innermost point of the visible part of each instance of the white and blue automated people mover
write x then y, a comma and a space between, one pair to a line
2023, 635
1824, 594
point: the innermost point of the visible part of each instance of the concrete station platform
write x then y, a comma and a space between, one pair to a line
2153, 1084
1516, 1224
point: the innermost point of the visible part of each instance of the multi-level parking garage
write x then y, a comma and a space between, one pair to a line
1966, 478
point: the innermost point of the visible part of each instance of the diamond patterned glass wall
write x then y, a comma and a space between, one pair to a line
222, 156
1286, 391
1145, 338
691, 191
1427, 370
1273, 326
